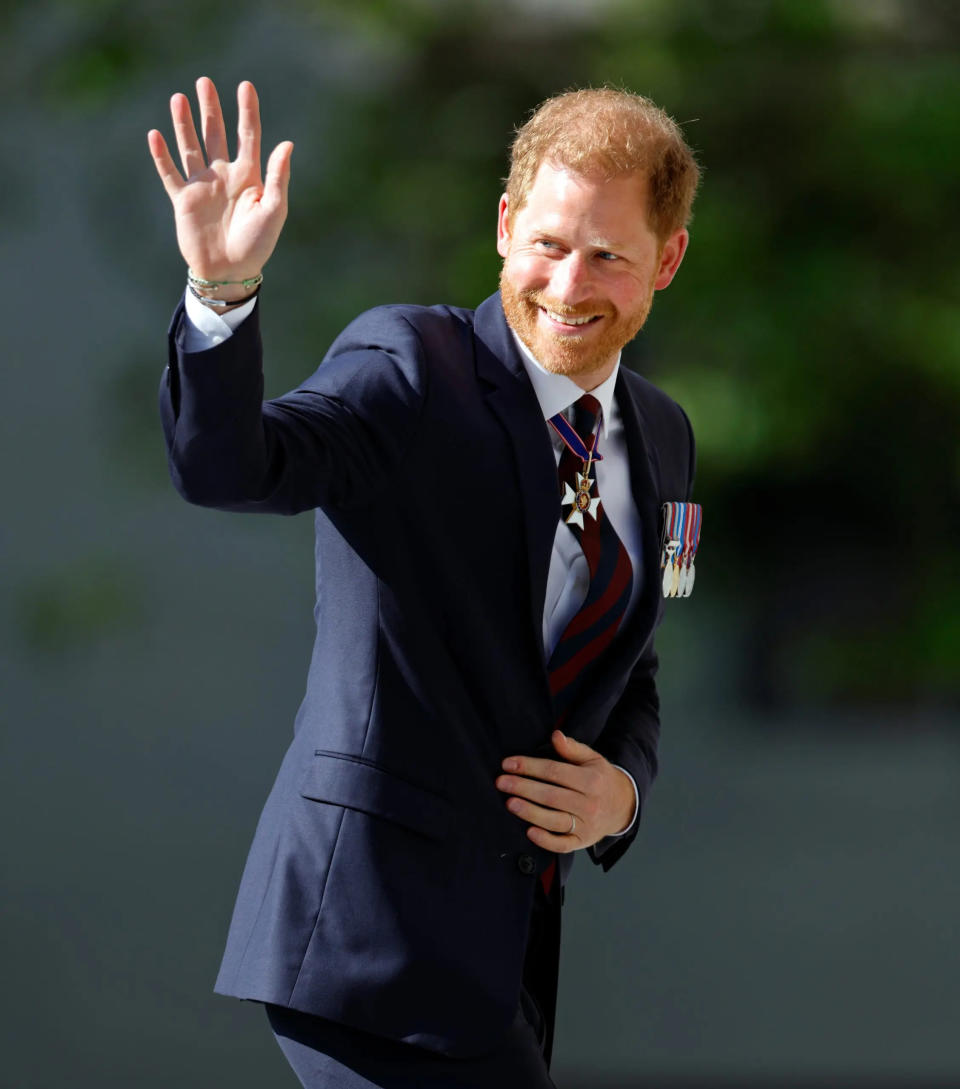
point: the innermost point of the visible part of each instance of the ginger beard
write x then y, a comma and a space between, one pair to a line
570, 354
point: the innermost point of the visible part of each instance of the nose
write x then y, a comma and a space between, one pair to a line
571, 281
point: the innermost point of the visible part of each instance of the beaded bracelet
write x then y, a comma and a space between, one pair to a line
198, 281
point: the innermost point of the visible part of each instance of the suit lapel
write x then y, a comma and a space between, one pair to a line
515, 404
626, 648
645, 486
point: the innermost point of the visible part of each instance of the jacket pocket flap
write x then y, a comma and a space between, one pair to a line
356, 784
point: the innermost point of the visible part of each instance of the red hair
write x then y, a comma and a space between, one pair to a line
608, 132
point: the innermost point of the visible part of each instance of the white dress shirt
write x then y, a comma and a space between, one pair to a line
568, 577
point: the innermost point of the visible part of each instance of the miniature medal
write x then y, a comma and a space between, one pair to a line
668, 562
690, 544
683, 571
691, 575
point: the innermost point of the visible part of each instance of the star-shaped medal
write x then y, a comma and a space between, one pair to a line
583, 502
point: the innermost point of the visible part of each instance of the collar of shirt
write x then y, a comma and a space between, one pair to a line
556, 392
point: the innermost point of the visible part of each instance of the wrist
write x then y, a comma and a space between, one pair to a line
627, 810
223, 295
229, 287
231, 295
218, 305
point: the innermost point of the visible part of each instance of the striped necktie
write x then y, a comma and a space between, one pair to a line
596, 622
598, 619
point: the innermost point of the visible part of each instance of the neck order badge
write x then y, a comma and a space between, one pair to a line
581, 501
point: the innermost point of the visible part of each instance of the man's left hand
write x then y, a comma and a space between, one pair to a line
569, 803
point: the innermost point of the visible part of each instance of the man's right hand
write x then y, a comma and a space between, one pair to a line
228, 220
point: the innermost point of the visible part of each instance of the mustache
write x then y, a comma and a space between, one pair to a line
582, 310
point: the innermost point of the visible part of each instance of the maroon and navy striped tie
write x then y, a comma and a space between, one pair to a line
598, 619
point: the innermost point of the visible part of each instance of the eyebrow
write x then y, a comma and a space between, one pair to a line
595, 243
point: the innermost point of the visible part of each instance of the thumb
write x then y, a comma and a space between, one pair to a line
277, 182
571, 749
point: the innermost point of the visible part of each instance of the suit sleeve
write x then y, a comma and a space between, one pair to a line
630, 739
337, 439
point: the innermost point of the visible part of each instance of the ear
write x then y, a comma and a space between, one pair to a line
503, 227
670, 257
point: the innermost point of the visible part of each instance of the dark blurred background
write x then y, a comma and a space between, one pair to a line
789, 911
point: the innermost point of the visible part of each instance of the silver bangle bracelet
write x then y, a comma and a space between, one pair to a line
221, 304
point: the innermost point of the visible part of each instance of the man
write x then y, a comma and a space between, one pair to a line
481, 700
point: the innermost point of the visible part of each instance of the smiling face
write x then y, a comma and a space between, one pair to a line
580, 268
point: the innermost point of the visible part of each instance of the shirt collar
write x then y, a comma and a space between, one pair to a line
556, 392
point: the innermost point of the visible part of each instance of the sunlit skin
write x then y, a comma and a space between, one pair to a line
578, 245
581, 247
228, 215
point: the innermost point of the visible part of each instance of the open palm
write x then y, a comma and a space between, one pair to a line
228, 218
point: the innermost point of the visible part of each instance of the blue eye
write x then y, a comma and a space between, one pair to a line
607, 256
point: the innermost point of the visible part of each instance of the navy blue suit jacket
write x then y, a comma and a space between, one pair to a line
387, 886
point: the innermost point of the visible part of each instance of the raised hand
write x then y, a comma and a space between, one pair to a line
228, 219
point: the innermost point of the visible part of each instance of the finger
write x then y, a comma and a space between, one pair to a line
536, 767
169, 175
557, 797
211, 120
556, 821
277, 183
189, 146
248, 124
560, 844
571, 749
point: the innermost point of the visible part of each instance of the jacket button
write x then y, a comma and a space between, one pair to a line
526, 864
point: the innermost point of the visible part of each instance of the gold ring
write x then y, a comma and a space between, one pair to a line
573, 825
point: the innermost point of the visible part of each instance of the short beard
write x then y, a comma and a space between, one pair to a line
568, 355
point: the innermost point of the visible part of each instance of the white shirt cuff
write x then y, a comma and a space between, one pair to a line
205, 328
636, 802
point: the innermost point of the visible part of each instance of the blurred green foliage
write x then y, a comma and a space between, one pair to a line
78, 606
812, 333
